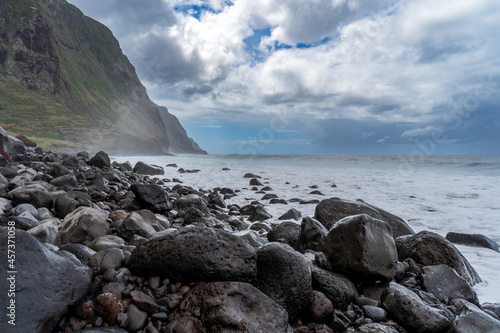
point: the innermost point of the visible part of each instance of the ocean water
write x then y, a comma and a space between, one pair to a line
436, 193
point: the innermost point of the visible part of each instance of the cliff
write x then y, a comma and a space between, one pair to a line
64, 82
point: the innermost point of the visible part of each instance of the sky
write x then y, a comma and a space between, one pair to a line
319, 76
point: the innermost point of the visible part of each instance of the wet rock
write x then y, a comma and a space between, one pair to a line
284, 275
228, 306
255, 182
48, 282
108, 306
398, 225
151, 196
329, 211
472, 320
362, 247
472, 240
291, 214
259, 214
100, 160
444, 283
409, 310
148, 169
430, 249
196, 253
312, 235
84, 223
285, 232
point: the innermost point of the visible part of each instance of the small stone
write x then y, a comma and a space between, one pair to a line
85, 310
118, 215
144, 302
320, 307
108, 306
123, 320
137, 317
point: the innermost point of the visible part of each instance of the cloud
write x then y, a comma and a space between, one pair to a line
341, 69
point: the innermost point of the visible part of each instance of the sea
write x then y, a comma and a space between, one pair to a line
437, 193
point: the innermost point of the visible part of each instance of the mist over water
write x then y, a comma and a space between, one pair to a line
437, 193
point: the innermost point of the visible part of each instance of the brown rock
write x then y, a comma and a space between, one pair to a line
320, 307
144, 302
108, 306
118, 215
85, 310
27, 142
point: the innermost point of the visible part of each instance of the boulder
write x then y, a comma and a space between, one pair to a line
65, 205
398, 225
285, 232
191, 201
111, 258
151, 196
472, 240
284, 275
16, 146
34, 194
362, 247
84, 223
19, 209
46, 284
133, 225
430, 249
148, 169
291, 214
68, 179
410, 311
82, 252
47, 233
472, 320
194, 254
444, 283
329, 211
100, 160
106, 242
259, 214
312, 235
338, 289
228, 307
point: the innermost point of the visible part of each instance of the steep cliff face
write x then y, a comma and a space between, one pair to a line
64, 81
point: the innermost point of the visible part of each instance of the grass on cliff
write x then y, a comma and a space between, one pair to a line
35, 114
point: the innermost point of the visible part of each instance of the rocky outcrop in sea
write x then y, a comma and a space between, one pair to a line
91, 245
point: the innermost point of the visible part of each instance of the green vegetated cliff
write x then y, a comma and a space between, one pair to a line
64, 82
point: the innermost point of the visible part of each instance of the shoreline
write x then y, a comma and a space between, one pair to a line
136, 210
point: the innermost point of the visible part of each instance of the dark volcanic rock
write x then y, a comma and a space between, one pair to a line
135, 224
196, 253
151, 196
320, 307
360, 246
472, 240
429, 249
284, 275
312, 235
291, 214
259, 214
147, 169
228, 307
34, 194
408, 309
285, 232
472, 320
191, 201
65, 205
444, 283
338, 288
46, 284
329, 211
398, 225
100, 160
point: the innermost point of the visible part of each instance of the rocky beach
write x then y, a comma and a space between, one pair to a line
90, 245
